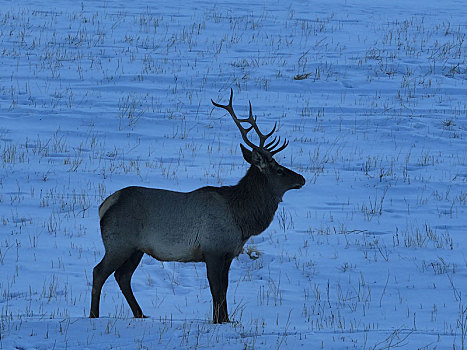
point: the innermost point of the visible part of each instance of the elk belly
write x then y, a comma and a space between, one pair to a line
175, 247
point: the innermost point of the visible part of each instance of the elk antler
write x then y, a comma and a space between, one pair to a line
252, 121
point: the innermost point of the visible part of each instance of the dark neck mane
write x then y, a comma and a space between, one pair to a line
252, 202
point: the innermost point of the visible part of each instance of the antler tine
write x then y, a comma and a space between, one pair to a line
227, 107
270, 143
237, 121
262, 138
252, 121
272, 131
273, 144
286, 143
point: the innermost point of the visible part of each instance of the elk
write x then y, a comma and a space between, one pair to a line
210, 224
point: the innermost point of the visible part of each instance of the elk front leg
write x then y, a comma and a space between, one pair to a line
218, 277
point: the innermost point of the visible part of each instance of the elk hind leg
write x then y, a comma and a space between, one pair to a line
123, 276
108, 264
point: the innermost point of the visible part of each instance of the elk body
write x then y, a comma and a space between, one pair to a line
210, 224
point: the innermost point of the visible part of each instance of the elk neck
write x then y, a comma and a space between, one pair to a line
252, 202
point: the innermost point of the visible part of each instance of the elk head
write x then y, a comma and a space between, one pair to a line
280, 178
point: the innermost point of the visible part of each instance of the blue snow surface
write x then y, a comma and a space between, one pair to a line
99, 95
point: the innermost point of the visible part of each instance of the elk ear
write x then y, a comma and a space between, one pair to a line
246, 154
255, 157
259, 159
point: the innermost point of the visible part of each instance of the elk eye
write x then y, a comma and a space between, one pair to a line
280, 171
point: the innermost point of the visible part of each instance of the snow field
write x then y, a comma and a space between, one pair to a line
370, 254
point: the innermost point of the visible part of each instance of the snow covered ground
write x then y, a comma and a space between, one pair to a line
370, 254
